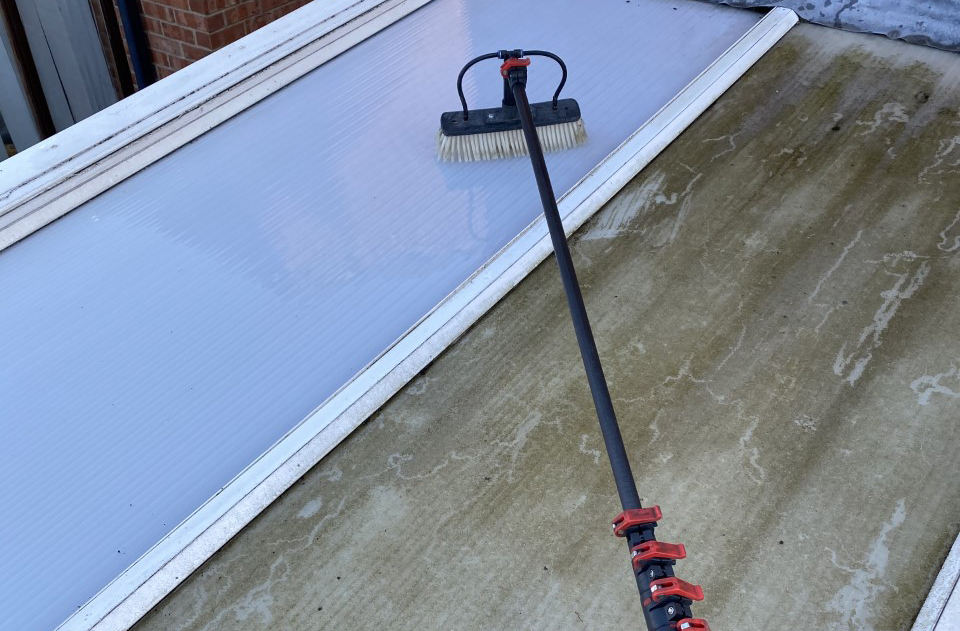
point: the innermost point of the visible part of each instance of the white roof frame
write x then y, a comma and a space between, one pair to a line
57, 175
941, 609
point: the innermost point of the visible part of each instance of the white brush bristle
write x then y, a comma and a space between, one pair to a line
508, 144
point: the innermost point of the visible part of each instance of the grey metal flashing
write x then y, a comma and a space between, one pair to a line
14, 104
933, 23
65, 45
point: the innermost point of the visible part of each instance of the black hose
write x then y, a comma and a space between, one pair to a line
504, 54
463, 100
563, 69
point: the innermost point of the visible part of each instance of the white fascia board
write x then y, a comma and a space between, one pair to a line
62, 172
158, 572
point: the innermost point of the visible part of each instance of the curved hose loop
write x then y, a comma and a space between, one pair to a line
540, 53
563, 69
463, 99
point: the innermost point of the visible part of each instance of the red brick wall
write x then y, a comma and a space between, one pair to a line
183, 31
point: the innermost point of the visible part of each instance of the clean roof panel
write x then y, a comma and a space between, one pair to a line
162, 336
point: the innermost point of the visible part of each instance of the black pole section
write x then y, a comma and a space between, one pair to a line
665, 599
143, 68
616, 452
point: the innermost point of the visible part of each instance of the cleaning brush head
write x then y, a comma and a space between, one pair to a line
497, 132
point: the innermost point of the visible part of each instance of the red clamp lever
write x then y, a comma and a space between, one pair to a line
657, 550
513, 62
693, 624
636, 517
673, 586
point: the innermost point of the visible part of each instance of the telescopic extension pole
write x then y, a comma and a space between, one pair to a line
666, 599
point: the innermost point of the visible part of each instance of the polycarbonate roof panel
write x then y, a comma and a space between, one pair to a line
162, 336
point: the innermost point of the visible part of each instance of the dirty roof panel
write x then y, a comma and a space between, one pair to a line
162, 336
